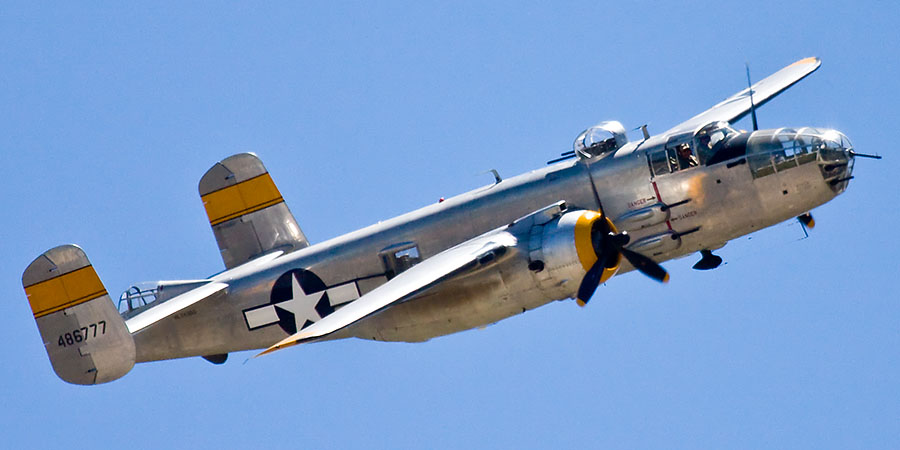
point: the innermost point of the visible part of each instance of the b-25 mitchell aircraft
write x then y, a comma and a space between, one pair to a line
609, 206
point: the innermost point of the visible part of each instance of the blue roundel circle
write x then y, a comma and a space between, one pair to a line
300, 299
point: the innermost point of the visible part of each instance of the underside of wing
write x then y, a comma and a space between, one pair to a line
738, 105
458, 260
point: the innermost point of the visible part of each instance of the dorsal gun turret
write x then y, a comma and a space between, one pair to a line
600, 139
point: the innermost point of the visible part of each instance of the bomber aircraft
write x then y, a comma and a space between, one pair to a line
608, 206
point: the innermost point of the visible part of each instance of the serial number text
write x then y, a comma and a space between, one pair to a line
82, 334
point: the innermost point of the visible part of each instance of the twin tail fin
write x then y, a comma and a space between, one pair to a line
246, 211
84, 335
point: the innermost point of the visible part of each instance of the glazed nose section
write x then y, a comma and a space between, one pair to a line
836, 159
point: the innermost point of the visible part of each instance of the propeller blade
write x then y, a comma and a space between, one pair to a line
645, 265
590, 282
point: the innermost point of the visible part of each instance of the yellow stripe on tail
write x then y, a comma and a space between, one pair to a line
242, 198
64, 291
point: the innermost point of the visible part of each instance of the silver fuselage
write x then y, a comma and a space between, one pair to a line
715, 204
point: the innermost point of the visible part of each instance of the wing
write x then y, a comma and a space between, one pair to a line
737, 106
448, 264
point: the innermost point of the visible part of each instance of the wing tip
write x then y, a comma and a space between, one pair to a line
811, 60
279, 346
289, 341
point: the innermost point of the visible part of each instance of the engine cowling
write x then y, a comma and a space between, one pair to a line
564, 249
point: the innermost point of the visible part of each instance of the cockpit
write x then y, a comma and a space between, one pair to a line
767, 151
706, 146
712, 141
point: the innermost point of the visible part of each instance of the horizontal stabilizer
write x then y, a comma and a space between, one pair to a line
246, 211
84, 335
172, 306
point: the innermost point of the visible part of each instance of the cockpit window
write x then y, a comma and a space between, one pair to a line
659, 162
684, 156
676, 155
711, 139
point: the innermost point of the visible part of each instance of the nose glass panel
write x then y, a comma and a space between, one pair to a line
836, 159
771, 151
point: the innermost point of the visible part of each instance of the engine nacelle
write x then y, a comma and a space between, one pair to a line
562, 250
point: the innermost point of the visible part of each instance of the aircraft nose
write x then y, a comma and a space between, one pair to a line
836, 158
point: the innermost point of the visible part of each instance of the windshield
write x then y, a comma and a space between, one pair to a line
711, 139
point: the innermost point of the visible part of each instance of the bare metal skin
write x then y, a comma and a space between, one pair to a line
531, 240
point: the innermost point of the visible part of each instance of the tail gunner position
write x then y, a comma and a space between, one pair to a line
609, 206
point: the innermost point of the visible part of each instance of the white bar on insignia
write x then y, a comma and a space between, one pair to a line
261, 316
344, 293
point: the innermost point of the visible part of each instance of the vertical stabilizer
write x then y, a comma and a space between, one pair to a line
84, 335
246, 211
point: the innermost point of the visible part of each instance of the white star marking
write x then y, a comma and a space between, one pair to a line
301, 305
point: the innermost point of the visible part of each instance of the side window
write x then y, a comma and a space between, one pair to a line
672, 159
784, 157
400, 257
683, 156
659, 162
805, 151
761, 165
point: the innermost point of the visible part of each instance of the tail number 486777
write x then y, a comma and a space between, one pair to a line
82, 334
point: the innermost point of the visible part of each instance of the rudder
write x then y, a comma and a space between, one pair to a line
84, 335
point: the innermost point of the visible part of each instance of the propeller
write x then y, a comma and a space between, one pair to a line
609, 245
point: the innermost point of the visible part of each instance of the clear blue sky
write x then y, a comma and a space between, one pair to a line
111, 112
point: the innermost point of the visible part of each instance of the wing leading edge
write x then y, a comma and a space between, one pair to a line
737, 106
